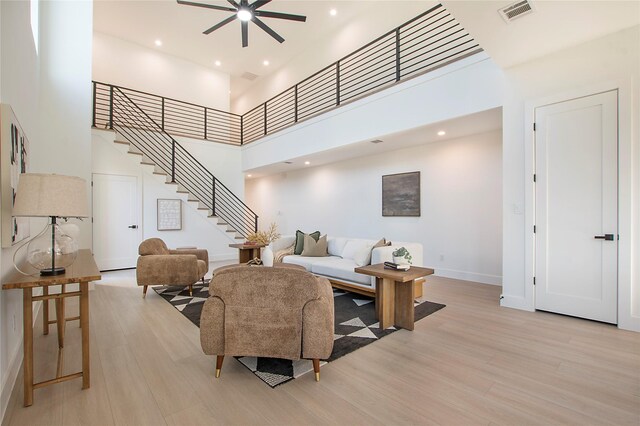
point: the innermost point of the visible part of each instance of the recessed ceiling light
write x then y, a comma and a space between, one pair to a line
265, 63
306, 163
442, 133
218, 63
333, 12
244, 15
158, 42
248, 175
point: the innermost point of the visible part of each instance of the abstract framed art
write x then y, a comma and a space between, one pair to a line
14, 160
401, 194
169, 214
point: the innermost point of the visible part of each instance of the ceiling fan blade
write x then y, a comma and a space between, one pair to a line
218, 25
278, 15
267, 29
245, 33
208, 6
259, 3
244, 3
234, 4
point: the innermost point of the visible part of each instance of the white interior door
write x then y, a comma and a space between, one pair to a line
117, 229
577, 207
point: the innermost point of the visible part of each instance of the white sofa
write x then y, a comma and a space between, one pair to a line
339, 266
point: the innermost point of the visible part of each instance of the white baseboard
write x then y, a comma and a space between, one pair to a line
515, 302
469, 276
15, 363
221, 257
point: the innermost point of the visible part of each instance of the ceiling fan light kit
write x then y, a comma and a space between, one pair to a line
245, 12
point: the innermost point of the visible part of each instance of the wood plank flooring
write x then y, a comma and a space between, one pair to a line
470, 363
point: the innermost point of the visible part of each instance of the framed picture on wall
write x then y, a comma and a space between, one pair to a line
14, 161
401, 194
169, 214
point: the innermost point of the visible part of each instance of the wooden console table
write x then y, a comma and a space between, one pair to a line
247, 252
395, 293
82, 271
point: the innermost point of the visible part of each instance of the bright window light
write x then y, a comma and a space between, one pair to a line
35, 19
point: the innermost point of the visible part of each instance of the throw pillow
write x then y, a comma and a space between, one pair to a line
381, 243
335, 246
359, 251
300, 240
313, 248
280, 254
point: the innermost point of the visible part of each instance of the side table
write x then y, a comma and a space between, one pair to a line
394, 293
247, 252
82, 271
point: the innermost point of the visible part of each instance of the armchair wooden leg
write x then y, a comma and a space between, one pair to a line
144, 291
219, 360
191, 290
316, 368
203, 283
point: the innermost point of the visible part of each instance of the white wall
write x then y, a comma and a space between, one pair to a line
196, 229
465, 87
51, 96
607, 63
461, 203
119, 62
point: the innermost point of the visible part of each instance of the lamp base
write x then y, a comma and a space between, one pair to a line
50, 272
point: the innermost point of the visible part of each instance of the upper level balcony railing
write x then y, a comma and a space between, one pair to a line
431, 40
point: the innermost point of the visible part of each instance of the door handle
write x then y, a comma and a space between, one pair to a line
607, 237
136, 227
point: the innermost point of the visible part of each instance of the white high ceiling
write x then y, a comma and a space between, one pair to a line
180, 28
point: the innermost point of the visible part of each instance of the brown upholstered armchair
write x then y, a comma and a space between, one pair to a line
268, 312
157, 265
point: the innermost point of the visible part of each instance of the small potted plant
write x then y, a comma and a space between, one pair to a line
401, 256
265, 237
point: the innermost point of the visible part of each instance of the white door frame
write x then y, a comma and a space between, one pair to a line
626, 318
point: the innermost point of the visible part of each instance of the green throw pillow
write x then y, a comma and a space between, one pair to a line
300, 240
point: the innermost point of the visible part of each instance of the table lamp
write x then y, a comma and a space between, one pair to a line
53, 196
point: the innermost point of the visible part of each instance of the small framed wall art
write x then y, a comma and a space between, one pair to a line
401, 194
14, 160
169, 214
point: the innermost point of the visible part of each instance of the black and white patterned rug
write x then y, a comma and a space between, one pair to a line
356, 326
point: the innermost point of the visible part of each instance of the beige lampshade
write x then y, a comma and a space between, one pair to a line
51, 195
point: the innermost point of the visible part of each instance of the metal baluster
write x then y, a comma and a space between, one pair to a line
173, 160
397, 54
94, 106
111, 107
242, 130
162, 125
213, 197
295, 104
265, 118
338, 83
205, 123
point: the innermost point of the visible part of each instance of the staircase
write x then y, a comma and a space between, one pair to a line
157, 149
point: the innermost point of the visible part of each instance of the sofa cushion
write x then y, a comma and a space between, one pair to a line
340, 269
335, 246
300, 240
305, 261
313, 248
359, 251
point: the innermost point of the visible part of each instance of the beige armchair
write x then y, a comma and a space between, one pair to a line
268, 312
157, 265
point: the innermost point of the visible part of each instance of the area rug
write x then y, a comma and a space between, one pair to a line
356, 326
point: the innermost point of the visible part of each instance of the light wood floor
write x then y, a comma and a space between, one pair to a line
470, 363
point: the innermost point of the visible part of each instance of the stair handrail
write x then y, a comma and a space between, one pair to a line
220, 192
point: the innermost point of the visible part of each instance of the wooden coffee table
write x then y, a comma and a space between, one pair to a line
247, 252
394, 294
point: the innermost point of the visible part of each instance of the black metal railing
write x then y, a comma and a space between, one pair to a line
173, 116
430, 40
140, 129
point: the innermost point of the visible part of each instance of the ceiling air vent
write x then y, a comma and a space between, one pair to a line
249, 76
376, 141
516, 10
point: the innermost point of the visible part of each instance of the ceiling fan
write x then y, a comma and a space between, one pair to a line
246, 12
